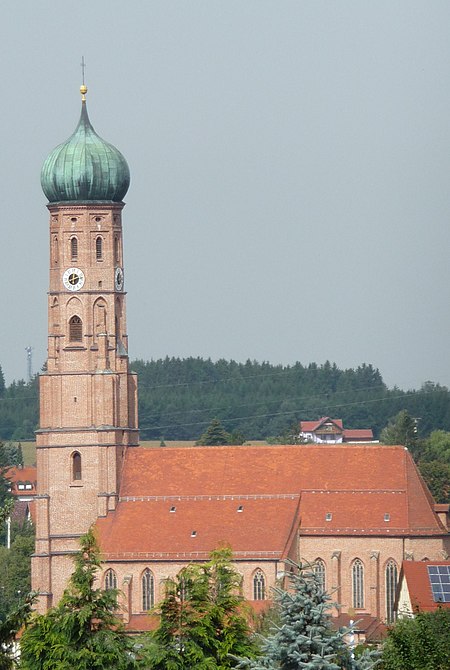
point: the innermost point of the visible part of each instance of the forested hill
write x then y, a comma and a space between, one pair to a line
179, 397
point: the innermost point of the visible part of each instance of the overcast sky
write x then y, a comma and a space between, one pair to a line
290, 163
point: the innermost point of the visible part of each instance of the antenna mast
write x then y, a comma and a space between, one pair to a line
29, 351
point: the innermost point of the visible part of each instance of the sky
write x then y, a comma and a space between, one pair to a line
290, 175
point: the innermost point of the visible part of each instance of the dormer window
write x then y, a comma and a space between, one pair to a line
194, 533
387, 517
328, 516
173, 509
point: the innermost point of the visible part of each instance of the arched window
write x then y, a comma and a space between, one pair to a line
74, 248
110, 580
148, 590
75, 329
358, 584
259, 586
99, 248
319, 571
76, 467
391, 585
117, 249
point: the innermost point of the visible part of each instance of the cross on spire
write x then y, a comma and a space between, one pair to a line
83, 67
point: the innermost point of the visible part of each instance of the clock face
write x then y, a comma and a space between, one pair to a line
118, 279
73, 279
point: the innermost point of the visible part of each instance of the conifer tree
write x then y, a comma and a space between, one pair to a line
201, 619
304, 639
83, 632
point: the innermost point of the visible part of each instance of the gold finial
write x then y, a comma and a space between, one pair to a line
83, 87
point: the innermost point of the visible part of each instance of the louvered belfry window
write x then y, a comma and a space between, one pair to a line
99, 248
74, 248
75, 329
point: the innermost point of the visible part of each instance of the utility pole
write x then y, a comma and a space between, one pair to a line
29, 351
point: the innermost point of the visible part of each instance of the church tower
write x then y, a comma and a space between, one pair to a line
88, 397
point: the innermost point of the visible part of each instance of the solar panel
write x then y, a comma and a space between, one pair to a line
439, 576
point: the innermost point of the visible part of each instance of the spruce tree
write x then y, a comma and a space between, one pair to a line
83, 632
303, 638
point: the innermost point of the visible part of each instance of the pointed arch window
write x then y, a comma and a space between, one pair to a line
110, 580
76, 467
74, 248
75, 329
259, 586
148, 590
99, 248
391, 586
319, 571
358, 584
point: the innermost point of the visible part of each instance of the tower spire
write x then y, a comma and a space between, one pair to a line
83, 87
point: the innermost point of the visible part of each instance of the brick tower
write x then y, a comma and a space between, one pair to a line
88, 397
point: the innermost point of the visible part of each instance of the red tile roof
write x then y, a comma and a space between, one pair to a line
416, 575
311, 426
279, 487
22, 475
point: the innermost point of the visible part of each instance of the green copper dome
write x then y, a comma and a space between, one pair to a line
85, 168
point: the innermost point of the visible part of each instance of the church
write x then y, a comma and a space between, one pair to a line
355, 510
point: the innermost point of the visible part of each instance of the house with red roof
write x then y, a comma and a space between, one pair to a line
423, 586
332, 431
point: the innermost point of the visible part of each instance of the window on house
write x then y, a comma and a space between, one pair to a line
358, 584
259, 586
319, 571
74, 248
99, 248
148, 590
75, 329
391, 586
110, 580
76, 467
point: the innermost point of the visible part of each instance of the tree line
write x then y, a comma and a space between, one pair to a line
179, 397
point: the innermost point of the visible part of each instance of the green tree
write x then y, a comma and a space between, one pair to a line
83, 632
214, 435
401, 429
201, 619
15, 569
9, 628
437, 447
304, 638
419, 643
437, 478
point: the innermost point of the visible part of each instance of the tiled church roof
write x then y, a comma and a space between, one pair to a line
367, 490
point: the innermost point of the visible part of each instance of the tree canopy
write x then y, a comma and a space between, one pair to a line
83, 631
202, 620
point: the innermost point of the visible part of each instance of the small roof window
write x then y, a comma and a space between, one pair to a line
194, 533
173, 509
387, 517
328, 516
240, 508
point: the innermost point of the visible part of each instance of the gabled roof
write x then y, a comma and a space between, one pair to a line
415, 574
282, 489
312, 426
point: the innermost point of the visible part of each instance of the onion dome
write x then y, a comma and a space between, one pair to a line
85, 168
